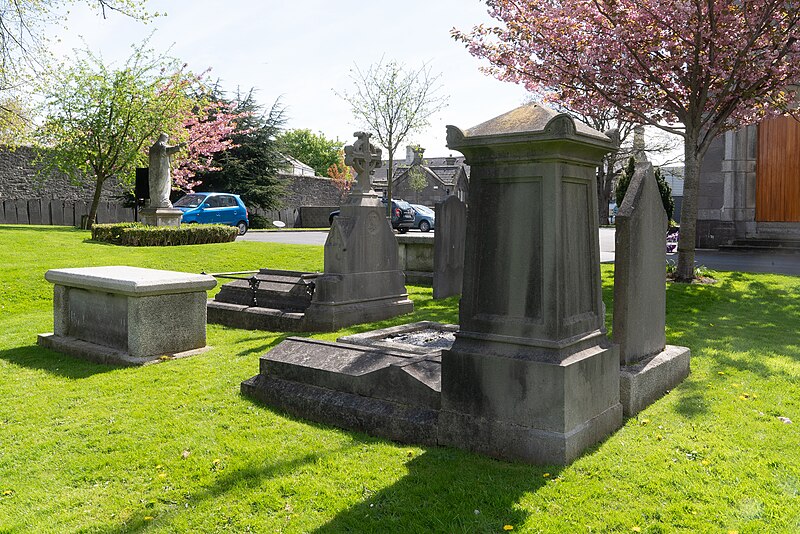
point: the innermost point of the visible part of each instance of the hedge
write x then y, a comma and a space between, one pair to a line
140, 235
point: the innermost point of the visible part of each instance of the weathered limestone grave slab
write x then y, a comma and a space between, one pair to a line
127, 315
362, 282
530, 375
650, 368
448, 254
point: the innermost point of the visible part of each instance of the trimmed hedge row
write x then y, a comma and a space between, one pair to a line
140, 235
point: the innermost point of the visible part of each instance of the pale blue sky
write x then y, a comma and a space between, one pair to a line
302, 51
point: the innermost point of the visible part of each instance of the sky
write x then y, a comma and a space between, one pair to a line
302, 53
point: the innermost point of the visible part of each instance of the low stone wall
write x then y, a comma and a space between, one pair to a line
308, 191
416, 257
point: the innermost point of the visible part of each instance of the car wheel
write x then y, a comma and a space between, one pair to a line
242, 227
424, 226
402, 230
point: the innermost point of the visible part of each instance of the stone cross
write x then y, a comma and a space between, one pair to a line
364, 157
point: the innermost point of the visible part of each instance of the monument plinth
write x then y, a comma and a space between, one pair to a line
531, 375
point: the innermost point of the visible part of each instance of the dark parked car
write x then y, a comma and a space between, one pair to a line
402, 215
214, 208
425, 217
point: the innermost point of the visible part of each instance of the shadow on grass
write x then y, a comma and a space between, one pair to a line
251, 476
446, 491
55, 363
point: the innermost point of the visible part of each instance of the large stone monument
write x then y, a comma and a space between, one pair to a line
650, 368
362, 282
531, 375
448, 247
160, 211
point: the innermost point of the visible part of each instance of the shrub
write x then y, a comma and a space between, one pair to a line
140, 235
259, 222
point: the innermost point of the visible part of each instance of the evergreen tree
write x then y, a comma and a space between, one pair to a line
663, 187
624, 181
250, 168
666, 194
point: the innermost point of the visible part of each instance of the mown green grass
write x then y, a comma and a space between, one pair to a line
174, 447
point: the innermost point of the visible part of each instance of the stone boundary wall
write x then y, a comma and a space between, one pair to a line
27, 197
316, 216
308, 191
20, 178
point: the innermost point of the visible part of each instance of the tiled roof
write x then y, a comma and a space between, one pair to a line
446, 168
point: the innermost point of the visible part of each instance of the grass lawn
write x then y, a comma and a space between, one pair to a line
174, 447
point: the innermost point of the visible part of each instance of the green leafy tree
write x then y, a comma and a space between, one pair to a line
99, 119
417, 180
666, 194
392, 102
314, 150
663, 187
250, 168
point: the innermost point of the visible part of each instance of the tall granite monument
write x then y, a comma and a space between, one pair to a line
531, 374
363, 280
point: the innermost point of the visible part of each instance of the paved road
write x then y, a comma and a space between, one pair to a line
754, 262
292, 238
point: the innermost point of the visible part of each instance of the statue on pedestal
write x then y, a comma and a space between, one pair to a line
160, 181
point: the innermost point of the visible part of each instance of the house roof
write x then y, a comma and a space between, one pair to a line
445, 168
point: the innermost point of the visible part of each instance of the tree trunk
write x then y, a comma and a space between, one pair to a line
691, 190
98, 189
389, 177
605, 179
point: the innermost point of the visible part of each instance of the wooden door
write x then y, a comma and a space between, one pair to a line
778, 171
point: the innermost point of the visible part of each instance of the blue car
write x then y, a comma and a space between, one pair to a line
214, 208
425, 218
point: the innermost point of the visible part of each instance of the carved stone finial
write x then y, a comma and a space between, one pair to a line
364, 157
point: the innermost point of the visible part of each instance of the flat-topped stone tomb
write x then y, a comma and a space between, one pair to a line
127, 315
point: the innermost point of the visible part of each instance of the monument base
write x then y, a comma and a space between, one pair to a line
106, 355
549, 414
161, 216
541, 412
643, 383
355, 298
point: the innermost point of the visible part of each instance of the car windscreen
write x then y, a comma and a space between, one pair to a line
190, 201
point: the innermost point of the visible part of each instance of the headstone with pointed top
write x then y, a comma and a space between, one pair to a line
650, 367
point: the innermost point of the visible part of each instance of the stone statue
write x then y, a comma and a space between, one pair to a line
160, 181
364, 157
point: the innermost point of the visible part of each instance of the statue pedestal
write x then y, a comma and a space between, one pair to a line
161, 216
